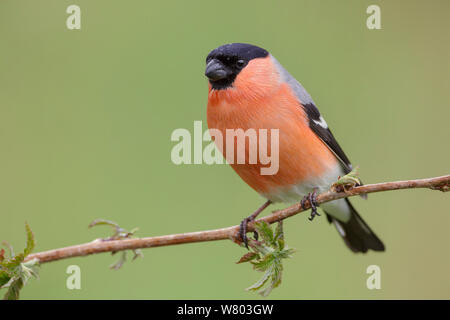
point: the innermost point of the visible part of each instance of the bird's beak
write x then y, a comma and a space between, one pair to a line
215, 70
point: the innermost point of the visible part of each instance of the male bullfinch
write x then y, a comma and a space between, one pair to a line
249, 89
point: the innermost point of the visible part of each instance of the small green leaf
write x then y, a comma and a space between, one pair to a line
4, 278
347, 182
10, 248
276, 275
14, 273
13, 262
138, 254
280, 243
14, 287
279, 234
267, 256
248, 257
29, 269
30, 241
258, 284
284, 254
103, 222
259, 247
120, 262
119, 234
264, 263
265, 231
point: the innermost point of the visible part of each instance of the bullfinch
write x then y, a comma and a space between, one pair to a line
249, 89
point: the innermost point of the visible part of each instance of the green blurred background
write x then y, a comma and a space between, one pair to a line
86, 117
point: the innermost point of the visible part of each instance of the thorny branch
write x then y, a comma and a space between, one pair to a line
98, 246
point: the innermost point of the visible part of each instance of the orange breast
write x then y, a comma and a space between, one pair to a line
271, 105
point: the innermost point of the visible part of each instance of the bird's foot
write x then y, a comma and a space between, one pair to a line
311, 197
244, 223
243, 230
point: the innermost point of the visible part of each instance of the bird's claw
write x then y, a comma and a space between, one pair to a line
243, 230
311, 197
243, 226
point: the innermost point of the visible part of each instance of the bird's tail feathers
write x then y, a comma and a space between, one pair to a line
356, 234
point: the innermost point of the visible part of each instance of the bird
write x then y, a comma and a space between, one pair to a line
249, 89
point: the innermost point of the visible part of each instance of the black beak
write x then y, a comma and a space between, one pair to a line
215, 70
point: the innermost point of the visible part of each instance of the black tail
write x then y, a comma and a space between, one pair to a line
356, 233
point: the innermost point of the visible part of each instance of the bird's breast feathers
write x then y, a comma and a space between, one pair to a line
262, 98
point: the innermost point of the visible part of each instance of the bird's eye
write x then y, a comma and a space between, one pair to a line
240, 63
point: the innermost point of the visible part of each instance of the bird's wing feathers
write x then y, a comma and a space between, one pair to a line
316, 121
320, 128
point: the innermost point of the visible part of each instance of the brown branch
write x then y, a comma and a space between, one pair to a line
99, 246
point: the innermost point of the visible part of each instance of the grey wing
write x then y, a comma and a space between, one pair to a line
320, 128
316, 121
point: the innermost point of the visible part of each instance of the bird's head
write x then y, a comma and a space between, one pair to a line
237, 65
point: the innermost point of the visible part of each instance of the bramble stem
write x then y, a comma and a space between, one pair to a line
98, 246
